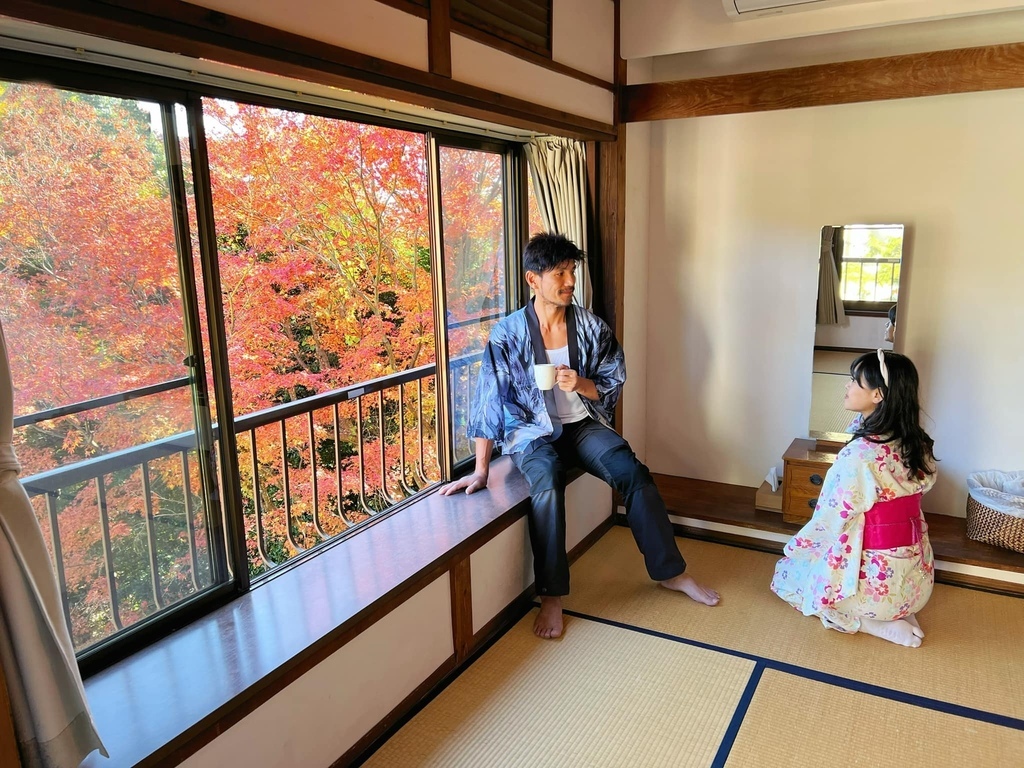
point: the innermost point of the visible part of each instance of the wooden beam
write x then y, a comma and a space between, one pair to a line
415, 7
179, 27
439, 38
611, 174
965, 70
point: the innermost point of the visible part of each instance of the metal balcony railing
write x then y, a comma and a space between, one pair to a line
384, 450
868, 282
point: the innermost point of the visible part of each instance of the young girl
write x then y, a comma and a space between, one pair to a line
863, 562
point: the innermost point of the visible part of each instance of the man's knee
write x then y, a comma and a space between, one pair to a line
543, 476
627, 473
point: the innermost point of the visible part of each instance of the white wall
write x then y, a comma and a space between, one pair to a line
634, 335
478, 64
316, 719
583, 36
365, 26
736, 206
859, 332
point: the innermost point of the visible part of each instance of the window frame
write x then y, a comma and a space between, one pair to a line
514, 175
99, 79
858, 308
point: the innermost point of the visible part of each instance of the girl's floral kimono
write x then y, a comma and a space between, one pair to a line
828, 571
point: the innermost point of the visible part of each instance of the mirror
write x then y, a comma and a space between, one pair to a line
859, 272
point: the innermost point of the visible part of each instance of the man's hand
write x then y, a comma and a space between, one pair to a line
472, 484
569, 381
566, 378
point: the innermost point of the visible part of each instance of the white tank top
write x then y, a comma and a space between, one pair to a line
569, 406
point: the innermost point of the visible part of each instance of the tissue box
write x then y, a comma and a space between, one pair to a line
767, 500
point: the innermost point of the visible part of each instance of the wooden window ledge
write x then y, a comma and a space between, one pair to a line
194, 684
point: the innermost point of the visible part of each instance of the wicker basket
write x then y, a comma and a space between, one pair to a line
994, 527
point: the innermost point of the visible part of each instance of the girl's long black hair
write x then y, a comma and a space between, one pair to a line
898, 416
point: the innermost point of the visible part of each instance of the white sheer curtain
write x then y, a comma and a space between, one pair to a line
558, 169
830, 299
51, 716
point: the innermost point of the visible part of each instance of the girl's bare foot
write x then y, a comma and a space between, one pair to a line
549, 621
684, 583
901, 631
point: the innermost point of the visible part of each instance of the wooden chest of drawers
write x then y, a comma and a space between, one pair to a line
806, 462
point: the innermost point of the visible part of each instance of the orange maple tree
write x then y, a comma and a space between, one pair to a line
325, 271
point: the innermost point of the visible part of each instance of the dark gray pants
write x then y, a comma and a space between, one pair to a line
604, 454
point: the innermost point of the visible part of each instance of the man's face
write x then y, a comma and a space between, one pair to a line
555, 286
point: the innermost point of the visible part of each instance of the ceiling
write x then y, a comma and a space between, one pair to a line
700, 39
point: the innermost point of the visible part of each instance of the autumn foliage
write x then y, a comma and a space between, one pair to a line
324, 263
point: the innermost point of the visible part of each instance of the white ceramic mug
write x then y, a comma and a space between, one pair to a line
544, 373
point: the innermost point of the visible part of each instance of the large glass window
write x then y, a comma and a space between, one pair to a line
94, 317
275, 261
323, 249
473, 232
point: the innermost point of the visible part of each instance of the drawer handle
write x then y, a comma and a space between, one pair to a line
815, 479
812, 503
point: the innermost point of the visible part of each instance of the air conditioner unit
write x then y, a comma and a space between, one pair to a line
753, 9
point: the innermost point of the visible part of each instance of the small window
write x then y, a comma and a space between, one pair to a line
869, 257
525, 23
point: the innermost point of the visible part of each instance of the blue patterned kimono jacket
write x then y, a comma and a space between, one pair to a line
510, 409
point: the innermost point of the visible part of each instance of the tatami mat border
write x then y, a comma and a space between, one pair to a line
722, 755
762, 663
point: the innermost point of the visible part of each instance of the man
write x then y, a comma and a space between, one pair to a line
545, 433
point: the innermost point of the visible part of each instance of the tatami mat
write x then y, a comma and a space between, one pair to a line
827, 411
601, 696
831, 361
971, 655
800, 723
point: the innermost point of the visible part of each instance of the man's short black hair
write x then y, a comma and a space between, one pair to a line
892, 315
544, 252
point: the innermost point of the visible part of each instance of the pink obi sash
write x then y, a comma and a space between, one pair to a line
895, 523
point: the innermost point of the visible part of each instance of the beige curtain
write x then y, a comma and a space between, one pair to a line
830, 299
558, 170
51, 717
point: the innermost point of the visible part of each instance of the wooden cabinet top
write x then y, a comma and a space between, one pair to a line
812, 450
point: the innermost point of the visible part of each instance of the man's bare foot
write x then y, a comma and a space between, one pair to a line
912, 619
549, 621
684, 583
901, 631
